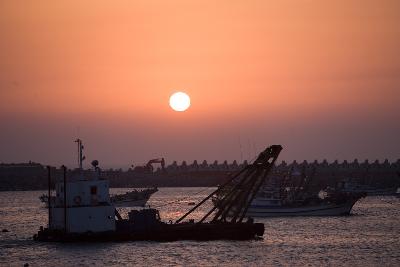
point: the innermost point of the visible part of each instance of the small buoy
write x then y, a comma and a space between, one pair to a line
4, 230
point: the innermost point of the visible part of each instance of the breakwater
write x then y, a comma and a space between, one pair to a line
33, 176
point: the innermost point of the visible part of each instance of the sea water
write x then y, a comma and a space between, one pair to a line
368, 237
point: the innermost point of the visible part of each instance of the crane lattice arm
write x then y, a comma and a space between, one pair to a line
238, 192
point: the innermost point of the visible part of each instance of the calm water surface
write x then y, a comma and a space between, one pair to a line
369, 237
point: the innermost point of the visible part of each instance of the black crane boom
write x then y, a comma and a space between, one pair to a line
237, 193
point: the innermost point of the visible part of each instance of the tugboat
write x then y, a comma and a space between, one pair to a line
82, 211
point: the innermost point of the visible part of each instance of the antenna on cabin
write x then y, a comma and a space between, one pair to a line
81, 157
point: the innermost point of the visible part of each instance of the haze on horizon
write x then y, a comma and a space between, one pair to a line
320, 78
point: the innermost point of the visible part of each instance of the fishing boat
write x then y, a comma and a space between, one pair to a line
134, 198
281, 196
333, 204
82, 211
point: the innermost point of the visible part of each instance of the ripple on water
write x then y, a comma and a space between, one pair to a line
370, 237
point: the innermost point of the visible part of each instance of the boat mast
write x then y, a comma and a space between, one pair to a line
49, 193
81, 157
65, 197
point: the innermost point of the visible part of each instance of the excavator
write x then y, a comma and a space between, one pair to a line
148, 168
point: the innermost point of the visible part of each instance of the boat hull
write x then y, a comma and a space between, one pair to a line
163, 232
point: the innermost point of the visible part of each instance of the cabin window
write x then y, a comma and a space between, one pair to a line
93, 190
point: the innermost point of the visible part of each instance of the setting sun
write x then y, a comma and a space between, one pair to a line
179, 101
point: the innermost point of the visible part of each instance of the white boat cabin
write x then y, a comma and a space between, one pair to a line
87, 209
87, 206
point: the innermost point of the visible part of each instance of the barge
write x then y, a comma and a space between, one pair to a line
82, 211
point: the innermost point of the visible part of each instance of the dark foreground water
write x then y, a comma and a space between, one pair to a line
369, 237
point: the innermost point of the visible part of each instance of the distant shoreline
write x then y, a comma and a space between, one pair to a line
33, 176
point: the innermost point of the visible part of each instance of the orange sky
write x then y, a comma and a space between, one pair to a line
321, 78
